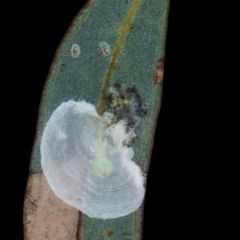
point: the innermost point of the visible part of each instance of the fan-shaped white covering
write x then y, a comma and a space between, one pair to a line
88, 164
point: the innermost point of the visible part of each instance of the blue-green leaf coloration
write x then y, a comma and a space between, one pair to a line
134, 34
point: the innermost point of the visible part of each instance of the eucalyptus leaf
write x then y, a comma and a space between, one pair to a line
109, 42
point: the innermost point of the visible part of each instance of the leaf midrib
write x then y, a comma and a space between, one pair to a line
123, 31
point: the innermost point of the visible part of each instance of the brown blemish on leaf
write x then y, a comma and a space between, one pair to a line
110, 233
52, 71
45, 216
158, 72
88, 4
79, 228
119, 102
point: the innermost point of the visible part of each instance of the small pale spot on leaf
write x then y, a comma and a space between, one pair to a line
75, 50
105, 48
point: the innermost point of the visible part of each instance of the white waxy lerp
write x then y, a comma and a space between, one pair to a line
105, 48
75, 50
86, 163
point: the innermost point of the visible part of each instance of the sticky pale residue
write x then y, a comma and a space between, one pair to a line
88, 164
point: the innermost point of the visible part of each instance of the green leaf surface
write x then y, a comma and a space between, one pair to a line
136, 33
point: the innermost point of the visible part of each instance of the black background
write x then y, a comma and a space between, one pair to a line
34, 33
